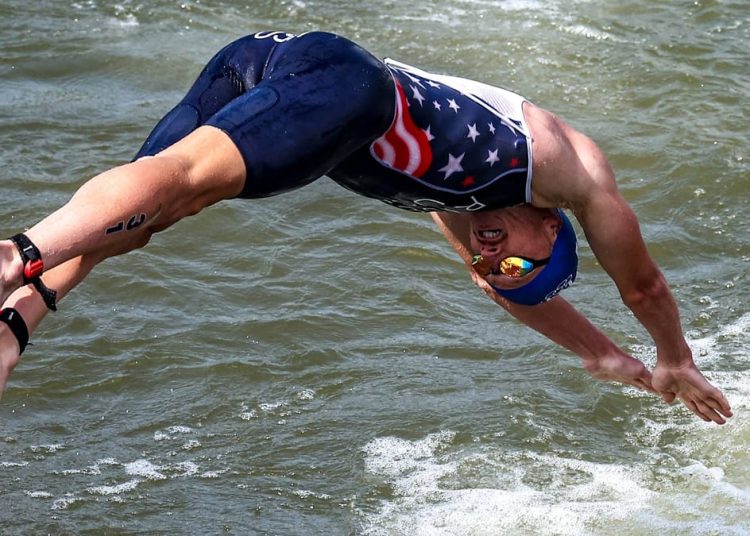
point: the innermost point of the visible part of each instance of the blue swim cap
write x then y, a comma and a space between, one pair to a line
557, 275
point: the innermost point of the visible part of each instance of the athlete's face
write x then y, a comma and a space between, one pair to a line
523, 231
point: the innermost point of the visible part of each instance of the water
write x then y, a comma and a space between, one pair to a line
319, 363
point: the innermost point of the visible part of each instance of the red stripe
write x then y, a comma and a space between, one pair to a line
425, 152
409, 142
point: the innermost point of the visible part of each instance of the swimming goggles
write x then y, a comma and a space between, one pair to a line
510, 266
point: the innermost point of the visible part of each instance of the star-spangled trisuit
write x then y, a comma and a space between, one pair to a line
453, 135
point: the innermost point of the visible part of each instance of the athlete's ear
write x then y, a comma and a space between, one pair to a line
552, 224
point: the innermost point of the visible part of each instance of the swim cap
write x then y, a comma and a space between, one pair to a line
557, 275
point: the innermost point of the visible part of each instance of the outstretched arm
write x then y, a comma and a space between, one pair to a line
571, 171
602, 358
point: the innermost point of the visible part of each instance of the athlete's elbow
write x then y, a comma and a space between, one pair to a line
646, 291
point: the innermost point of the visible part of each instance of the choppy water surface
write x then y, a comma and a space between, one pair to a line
319, 363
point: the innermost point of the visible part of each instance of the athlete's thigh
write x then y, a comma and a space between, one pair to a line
230, 73
321, 98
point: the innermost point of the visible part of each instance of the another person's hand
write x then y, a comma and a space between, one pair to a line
688, 384
9, 354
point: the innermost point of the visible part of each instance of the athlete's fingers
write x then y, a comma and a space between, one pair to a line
709, 413
723, 403
692, 406
718, 406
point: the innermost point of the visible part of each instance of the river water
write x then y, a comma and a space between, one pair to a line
319, 363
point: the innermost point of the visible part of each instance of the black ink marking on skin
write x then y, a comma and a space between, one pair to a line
134, 222
115, 228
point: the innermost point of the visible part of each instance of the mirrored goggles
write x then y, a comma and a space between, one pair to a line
510, 266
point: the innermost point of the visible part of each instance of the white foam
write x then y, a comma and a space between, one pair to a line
94, 469
691, 477
179, 429
306, 494
729, 340
248, 415
270, 407
145, 469
38, 494
588, 32
213, 474
14, 464
49, 449
306, 394
431, 499
114, 490
169, 433
64, 502
185, 468
192, 444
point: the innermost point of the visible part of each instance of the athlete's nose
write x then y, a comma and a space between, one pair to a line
489, 251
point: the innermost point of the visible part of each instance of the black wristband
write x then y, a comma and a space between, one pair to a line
33, 266
17, 326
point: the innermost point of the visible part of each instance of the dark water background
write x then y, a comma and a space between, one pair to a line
319, 363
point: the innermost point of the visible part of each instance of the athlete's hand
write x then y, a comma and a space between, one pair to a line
9, 354
688, 384
622, 368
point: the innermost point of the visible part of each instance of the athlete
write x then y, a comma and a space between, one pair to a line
272, 112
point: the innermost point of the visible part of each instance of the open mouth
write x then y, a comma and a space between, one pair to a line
489, 235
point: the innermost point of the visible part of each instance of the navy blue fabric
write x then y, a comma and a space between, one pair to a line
295, 106
300, 107
231, 72
436, 125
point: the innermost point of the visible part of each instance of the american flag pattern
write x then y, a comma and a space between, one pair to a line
449, 138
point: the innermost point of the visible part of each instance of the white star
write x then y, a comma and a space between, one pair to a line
452, 104
473, 132
417, 95
454, 165
492, 128
414, 79
430, 137
437, 105
433, 84
492, 157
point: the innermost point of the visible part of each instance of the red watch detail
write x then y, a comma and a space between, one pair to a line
33, 269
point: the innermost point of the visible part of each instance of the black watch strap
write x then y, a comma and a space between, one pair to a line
33, 267
17, 326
